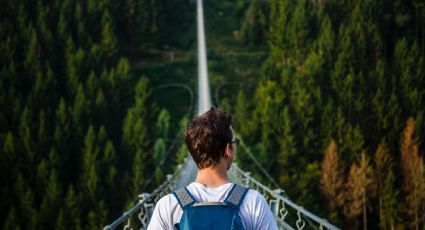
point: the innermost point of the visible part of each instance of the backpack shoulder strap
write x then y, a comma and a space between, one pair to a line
236, 196
184, 198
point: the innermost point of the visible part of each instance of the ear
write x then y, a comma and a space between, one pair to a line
228, 152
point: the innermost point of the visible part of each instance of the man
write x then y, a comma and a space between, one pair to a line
212, 145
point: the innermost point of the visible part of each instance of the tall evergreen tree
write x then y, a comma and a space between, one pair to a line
136, 135
332, 179
254, 23
360, 188
383, 162
413, 171
389, 210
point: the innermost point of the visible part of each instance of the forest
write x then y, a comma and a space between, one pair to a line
331, 90
340, 106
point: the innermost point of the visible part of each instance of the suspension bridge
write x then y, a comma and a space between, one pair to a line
288, 214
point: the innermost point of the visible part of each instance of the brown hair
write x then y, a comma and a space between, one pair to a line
207, 137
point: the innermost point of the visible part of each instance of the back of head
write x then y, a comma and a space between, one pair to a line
207, 137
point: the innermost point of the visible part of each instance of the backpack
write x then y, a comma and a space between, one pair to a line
210, 215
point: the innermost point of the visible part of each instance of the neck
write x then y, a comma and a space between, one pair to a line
213, 176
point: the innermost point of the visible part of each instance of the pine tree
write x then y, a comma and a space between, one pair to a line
299, 29
359, 190
159, 158
108, 40
136, 135
254, 23
90, 176
379, 100
80, 109
97, 216
325, 41
31, 56
137, 173
109, 178
242, 112
60, 222
24, 202
278, 39
352, 141
301, 103
72, 208
383, 161
413, 171
12, 220
332, 178
25, 134
389, 209
162, 126
269, 98
287, 149
50, 204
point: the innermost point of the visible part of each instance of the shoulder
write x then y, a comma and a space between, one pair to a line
254, 199
167, 205
256, 212
165, 202
167, 212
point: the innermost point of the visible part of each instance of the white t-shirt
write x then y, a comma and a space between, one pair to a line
254, 210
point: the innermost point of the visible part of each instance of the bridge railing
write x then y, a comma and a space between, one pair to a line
140, 214
280, 205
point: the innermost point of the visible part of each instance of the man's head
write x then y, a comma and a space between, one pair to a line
208, 136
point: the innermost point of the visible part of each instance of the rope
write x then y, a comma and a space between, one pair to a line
258, 164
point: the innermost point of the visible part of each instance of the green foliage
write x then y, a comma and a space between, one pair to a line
342, 70
390, 205
65, 88
76, 123
254, 23
162, 126
242, 114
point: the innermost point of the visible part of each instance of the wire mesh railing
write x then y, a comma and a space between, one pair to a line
138, 216
284, 210
288, 214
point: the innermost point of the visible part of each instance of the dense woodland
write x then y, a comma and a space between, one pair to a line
77, 128
340, 106
338, 102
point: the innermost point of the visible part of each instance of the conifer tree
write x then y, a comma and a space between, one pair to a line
72, 208
278, 39
108, 40
50, 205
379, 100
60, 222
301, 104
254, 23
12, 220
80, 109
359, 189
413, 171
162, 126
90, 177
332, 178
25, 134
159, 158
287, 149
97, 216
242, 113
299, 27
389, 209
269, 97
325, 40
23, 200
383, 162
136, 135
